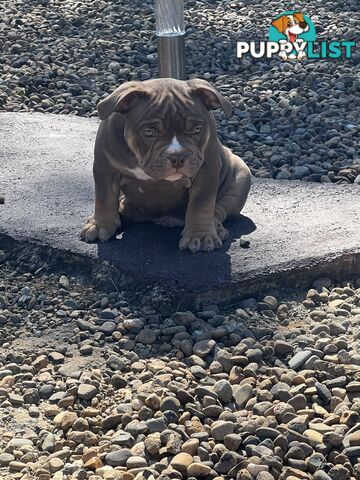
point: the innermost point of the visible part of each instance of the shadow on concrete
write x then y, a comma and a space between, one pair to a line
152, 251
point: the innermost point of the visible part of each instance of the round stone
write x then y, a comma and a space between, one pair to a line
181, 461
5, 459
242, 393
224, 391
136, 462
170, 403
107, 328
203, 348
146, 337
221, 428
86, 391
191, 446
118, 458
198, 470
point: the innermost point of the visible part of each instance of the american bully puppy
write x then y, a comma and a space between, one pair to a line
158, 158
291, 26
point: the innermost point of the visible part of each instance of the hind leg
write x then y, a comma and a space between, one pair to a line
129, 213
233, 193
170, 221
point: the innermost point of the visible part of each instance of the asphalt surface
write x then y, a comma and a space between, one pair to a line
296, 230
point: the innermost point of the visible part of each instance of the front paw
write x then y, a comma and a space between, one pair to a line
101, 230
301, 55
197, 241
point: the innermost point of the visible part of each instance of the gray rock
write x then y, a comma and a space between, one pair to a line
84, 325
108, 314
107, 328
242, 393
156, 424
5, 459
146, 336
86, 391
299, 359
221, 428
111, 422
224, 390
283, 348
300, 172
227, 461
203, 347
118, 458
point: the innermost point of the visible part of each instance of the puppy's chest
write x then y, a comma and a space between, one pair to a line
155, 196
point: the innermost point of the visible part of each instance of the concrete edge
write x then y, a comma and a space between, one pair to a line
338, 267
344, 266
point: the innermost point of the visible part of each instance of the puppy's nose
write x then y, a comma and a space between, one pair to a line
178, 159
303, 24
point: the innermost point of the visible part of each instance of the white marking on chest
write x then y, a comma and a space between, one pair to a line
139, 173
141, 190
174, 146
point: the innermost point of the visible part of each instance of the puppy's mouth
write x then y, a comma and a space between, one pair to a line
296, 30
292, 37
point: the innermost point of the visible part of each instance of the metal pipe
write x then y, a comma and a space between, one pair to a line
170, 30
171, 53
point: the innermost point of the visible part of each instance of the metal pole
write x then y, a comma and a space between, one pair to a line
170, 30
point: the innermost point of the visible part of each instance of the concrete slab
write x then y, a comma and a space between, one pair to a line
297, 230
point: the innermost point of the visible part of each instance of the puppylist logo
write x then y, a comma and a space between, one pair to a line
292, 36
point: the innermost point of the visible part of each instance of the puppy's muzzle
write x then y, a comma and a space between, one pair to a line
303, 25
178, 159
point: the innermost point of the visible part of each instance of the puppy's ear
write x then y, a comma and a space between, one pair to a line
299, 16
122, 99
280, 23
210, 96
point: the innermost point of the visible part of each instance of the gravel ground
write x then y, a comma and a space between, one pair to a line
291, 120
92, 387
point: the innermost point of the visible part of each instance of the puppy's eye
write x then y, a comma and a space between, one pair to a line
196, 130
149, 132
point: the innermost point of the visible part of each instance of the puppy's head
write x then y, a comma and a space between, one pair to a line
291, 25
167, 123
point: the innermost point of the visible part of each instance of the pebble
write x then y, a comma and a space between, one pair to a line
242, 394
146, 336
197, 469
313, 436
352, 439
264, 476
136, 462
107, 328
283, 348
221, 428
64, 281
224, 391
255, 469
203, 347
118, 458
299, 359
5, 459
181, 462
86, 392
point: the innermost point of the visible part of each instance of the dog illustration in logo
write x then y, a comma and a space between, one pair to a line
291, 26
